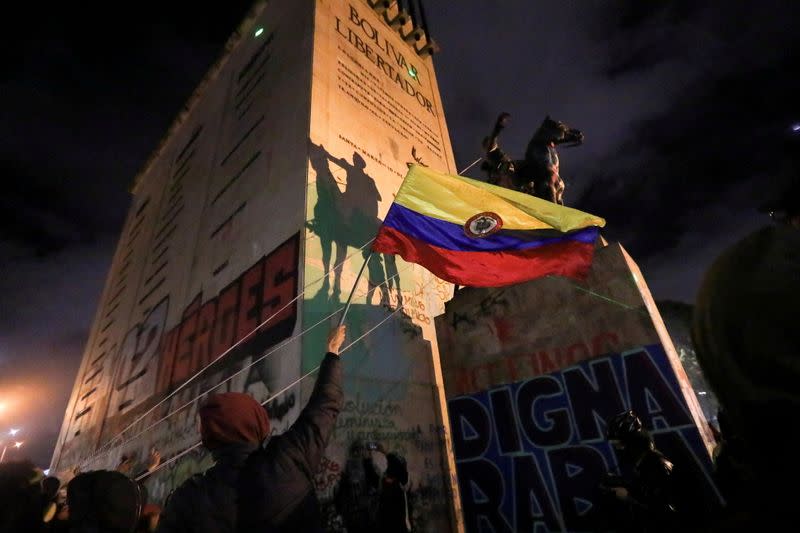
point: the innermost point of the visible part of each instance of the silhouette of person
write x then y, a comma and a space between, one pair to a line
649, 493
747, 341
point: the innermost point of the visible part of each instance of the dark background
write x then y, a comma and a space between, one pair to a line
687, 107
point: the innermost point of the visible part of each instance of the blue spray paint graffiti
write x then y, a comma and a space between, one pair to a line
530, 454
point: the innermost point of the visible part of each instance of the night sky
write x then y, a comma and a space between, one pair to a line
687, 111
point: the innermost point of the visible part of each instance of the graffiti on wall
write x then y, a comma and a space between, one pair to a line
208, 330
154, 360
532, 453
514, 366
167, 479
349, 481
138, 355
489, 336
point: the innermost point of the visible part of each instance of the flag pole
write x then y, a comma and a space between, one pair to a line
353, 290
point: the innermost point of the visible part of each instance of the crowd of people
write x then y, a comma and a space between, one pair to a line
259, 482
747, 343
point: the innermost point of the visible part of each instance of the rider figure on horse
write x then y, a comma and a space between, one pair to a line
537, 174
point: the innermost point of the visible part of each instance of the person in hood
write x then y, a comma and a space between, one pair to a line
21, 507
394, 514
259, 483
103, 501
746, 335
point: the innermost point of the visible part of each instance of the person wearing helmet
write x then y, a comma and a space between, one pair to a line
646, 493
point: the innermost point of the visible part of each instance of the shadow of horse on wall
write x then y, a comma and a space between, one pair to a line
347, 219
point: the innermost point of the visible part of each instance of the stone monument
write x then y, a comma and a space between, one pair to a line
246, 229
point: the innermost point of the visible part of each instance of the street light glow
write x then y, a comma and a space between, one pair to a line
259, 31
17, 444
796, 127
13, 431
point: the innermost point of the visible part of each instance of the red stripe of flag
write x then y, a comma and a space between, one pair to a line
489, 269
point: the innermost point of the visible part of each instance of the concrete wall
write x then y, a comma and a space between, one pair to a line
210, 249
375, 109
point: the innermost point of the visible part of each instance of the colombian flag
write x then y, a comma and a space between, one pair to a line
475, 234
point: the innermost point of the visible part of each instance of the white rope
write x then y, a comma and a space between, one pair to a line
110, 444
193, 400
226, 352
469, 167
315, 369
292, 384
106, 449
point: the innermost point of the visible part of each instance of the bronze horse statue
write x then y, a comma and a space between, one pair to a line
537, 174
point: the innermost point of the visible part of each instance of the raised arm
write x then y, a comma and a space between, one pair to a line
306, 440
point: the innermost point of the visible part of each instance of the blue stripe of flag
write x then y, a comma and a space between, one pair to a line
452, 237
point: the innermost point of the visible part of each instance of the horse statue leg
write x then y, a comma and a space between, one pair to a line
327, 246
559, 187
341, 256
547, 188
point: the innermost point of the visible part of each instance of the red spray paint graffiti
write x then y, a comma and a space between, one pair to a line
208, 329
512, 368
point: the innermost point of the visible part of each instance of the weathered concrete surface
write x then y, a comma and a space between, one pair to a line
531, 373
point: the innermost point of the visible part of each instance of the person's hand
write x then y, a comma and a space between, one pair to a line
336, 339
62, 513
621, 493
125, 465
155, 460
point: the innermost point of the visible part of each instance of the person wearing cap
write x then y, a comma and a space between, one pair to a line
259, 483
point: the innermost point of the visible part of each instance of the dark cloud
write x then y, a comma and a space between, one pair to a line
86, 98
686, 108
84, 104
686, 181
685, 105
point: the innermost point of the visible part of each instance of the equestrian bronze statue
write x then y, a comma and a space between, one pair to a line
537, 174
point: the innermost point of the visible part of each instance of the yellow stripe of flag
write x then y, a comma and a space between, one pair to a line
456, 199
